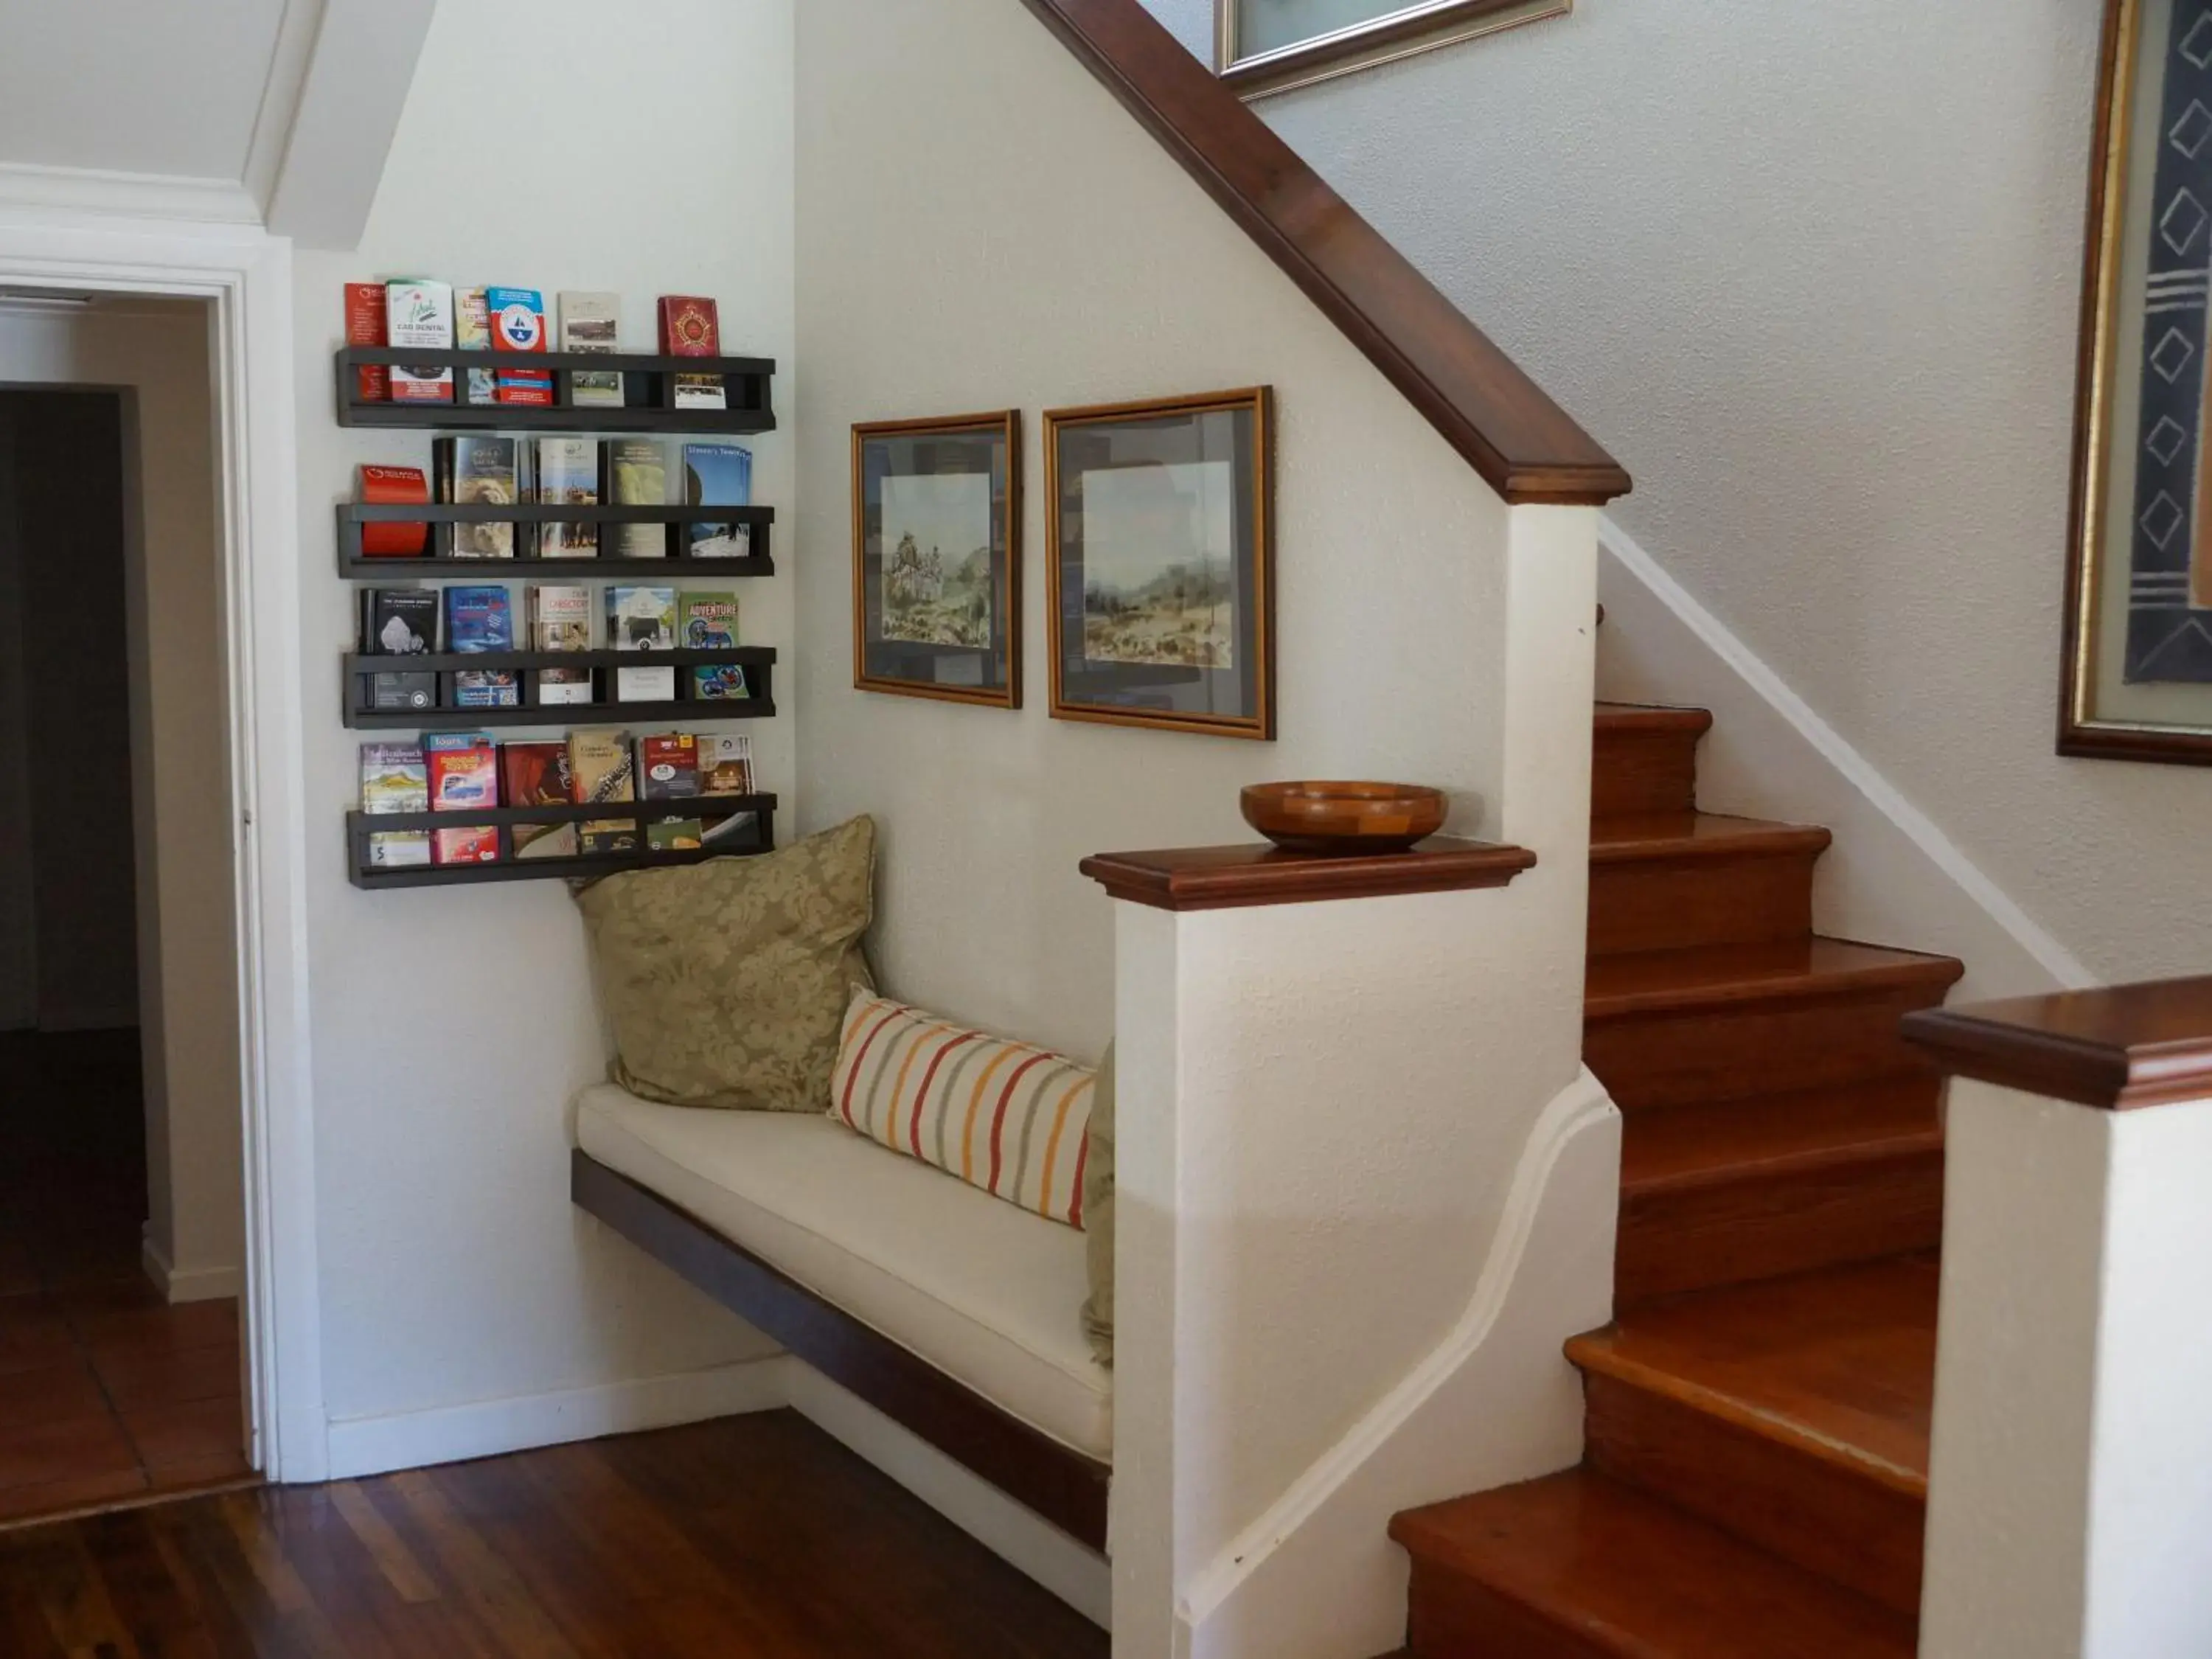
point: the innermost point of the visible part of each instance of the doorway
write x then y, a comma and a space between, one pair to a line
121, 1218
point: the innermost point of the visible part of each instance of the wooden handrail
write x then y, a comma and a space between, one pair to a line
2121, 1047
1509, 430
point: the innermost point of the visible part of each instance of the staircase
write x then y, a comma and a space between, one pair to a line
1756, 1466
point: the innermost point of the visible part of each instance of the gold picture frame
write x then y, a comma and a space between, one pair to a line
1159, 563
1397, 31
940, 625
2137, 656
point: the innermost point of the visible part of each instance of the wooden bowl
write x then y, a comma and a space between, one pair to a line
1344, 817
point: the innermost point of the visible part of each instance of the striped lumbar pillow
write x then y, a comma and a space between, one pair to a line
1008, 1117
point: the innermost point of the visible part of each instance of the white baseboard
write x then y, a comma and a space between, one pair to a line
188, 1283
452, 1434
1077, 1574
1892, 876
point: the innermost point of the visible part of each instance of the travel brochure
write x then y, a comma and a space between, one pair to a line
467, 771
438, 316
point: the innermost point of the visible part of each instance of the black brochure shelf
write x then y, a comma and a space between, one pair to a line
356, 566
361, 713
648, 392
363, 873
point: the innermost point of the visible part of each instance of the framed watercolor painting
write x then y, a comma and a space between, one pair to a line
2138, 641
1160, 563
937, 594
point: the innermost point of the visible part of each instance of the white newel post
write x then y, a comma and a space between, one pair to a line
2069, 1509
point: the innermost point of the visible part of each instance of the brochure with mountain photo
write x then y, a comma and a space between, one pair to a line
718, 475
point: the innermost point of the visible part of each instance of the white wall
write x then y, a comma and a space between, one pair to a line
648, 153
1810, 273
1029, 245
188, 1000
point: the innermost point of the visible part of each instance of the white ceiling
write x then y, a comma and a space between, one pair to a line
164, 87
277, 112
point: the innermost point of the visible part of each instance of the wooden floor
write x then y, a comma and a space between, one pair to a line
106, 1393
749, 1538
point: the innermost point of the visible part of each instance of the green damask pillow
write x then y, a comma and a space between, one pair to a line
727, 981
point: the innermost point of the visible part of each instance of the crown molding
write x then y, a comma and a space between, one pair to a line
135, 195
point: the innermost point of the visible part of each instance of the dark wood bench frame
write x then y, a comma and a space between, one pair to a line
1062, 1486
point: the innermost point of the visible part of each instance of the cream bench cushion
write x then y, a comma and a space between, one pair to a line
987, 1293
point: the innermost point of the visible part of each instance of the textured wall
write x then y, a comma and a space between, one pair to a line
1810, 272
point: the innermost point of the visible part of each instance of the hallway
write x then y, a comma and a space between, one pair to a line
106, 1394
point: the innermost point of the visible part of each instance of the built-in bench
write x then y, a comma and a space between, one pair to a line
953, 1312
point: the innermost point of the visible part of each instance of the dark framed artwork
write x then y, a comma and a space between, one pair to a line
2138, 639
1160, 561
936, 561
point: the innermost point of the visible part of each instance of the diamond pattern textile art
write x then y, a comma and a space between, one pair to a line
2170, 638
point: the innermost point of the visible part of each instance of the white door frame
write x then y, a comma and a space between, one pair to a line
247, 275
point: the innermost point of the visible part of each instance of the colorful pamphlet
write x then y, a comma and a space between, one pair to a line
394, 780
476, 472
643, 619
479, 619
463, 776
718, 475
668, 766
472, 333
537, 774
600, 771
384, 486
568, 474
726, 764
420, 312
364, 323
518, 324
691, 327
638, 477
588, 323
708, 622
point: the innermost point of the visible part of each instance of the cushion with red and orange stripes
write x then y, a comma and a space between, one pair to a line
1009, 1117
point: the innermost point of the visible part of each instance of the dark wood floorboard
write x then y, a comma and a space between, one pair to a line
753, 1537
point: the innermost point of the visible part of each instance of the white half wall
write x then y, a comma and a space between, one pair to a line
452, 1026
2071, 1466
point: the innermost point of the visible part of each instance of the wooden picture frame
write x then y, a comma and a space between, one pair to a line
933, 634
2137, 670
1193, 473
1391, 30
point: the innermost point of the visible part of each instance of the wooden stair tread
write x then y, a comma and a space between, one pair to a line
1793, 969
1700, 835
1839, 1365
1618, 1573
1651, 717
1678, 1148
